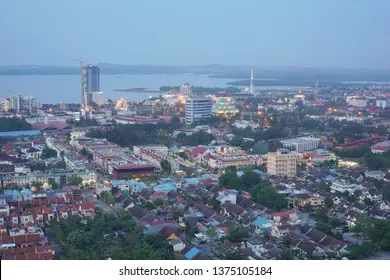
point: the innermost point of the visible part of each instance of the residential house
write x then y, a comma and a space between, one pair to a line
233, 210
308, 249
285, 216
177, 244
262, 225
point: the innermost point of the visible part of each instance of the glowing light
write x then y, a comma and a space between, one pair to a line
121, 105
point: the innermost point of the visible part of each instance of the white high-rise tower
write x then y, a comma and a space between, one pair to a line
251, 86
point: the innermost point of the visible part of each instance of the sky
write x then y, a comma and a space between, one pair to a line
312, 33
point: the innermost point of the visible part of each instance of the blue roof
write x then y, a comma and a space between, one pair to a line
16, 192
2, 196
20, 133
258, 171
167, 179
260, 221
232, 191
118, 182
27, 192
8, 192
240, 173
207, 176
194, 252
330, 178
222, 196
133, 182
191, 180
142, 185
165, 188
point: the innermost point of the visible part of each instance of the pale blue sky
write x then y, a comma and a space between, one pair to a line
320, 33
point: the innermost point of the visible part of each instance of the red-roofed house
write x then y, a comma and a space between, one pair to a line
39, 144
87, 209
287, 215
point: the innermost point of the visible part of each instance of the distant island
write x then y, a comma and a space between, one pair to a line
145, 90
239, 75
197, 89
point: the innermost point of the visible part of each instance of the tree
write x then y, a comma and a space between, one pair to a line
41, 166
260, 148
175, 121
48, 153
166, 166
211, 233
268, 196
96, 240
108, 198
377, 231
237, 233
250, 179
148, 205
195, 139
13, 124
183, 155
59, 165
361, 251
75, 181
230, 180
368, 201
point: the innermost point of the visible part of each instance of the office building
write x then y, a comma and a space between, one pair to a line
96, 97
382, 103
28, 104
302, 143
185, 89
282, 163
5, 105
16, 103
357, 101
197, 109
93, 78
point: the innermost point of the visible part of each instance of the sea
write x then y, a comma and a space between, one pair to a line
67, 88
51, 89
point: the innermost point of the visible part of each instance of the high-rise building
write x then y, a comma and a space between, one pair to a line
282, 163
93, 78
5, 105
90, 82
28, 104
16, 103
185, 89
197, 109
96, 97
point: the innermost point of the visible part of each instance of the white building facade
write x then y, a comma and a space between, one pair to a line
197, 109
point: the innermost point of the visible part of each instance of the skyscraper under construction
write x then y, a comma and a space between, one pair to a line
90, 82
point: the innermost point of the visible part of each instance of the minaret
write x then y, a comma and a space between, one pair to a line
316, 90
251, 88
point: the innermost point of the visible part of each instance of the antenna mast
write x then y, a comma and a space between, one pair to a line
251, 87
